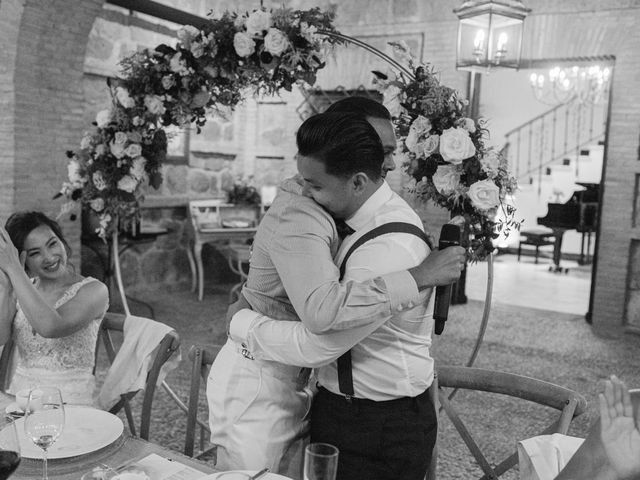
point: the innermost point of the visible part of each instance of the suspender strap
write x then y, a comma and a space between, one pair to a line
345, 376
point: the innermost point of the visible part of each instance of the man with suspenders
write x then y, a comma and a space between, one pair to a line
373, 402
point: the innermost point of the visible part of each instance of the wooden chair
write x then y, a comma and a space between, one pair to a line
114, 322
201, 359
570, 404
207, 227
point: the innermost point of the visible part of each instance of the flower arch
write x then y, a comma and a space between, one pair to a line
266, 51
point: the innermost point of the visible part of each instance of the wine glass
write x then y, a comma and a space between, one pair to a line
9, 447
320, 461
44, 419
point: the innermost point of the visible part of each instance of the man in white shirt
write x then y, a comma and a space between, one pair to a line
386, 426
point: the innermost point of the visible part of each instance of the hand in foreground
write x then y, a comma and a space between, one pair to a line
236, 307
620, 433
441, 267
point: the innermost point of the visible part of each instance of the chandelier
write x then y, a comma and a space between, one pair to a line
563, 85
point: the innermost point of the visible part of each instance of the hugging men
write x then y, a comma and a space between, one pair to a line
259, 396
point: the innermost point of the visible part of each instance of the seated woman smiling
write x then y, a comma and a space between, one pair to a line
52, 312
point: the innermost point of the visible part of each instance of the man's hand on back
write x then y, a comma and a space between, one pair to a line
441, 267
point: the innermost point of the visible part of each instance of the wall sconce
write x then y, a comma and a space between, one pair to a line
490, 34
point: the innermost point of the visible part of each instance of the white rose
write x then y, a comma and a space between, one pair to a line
137, 121
135, 137
239, 22
117, 149
308, 32
178, 65
120, 138
244, 45
103, 118
446, 179
197, 49
137, 167
73, 172
411, 142
258, 22
127, 184
430, 145
134, 150
122, 94
456, 145
105, 220
468, 124
186, 35
98, 180
101, 150
484, 195
154, 104
85, 143
97, 204
421, 125
168, 81
490, 162
276, 42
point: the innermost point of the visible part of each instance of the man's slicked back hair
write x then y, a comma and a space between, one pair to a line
345, 142
367, 107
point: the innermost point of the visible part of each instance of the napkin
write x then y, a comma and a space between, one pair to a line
128, 373
544, 456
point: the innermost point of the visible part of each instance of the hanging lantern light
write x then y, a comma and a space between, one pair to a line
490, 34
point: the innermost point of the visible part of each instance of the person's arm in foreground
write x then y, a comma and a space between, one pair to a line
611, 451
302, 258
293, 344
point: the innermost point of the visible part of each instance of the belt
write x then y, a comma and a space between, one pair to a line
402, 402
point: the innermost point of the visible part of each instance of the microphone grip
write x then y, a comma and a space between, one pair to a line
441, 307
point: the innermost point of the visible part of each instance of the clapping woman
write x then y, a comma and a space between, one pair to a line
52, 312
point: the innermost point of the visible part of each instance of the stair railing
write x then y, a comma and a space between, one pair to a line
554, 136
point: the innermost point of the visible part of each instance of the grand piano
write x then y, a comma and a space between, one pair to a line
580, 213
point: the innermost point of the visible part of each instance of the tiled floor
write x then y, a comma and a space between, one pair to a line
529, 285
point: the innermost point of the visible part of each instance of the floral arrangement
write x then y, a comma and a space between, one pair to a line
209, 68
445, 155
242, 192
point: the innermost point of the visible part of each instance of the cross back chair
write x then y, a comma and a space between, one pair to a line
570, 404
112, 323
170, 343
201, 359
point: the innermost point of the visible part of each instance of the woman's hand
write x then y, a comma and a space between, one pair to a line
620, 432
9, 257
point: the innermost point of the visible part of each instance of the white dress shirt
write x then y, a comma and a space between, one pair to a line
392, 359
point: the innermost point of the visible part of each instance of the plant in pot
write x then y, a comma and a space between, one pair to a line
243, 209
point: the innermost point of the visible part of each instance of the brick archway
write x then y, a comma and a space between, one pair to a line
42, 99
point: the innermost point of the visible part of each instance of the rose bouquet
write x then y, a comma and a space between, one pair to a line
445, 155
209, 68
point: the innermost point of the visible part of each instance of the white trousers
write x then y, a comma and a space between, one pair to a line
258, 413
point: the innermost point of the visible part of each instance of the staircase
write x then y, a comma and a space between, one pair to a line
549, 154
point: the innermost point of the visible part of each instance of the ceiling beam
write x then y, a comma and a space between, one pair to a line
163, 12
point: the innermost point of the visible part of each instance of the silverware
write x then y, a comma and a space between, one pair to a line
259, 474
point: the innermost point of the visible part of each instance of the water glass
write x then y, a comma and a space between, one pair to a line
44, 420
320, 461
9, 447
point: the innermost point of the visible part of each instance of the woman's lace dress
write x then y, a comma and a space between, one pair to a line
65, 362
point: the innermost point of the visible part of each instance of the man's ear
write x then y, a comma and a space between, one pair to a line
360, 182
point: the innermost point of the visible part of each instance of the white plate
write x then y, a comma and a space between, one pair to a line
86, 430
268, 476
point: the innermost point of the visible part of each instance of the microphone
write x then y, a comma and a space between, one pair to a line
449, 237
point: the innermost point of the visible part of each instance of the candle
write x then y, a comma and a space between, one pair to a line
479, 40
502, 42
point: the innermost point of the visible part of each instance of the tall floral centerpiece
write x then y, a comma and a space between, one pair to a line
445, 154
209, 68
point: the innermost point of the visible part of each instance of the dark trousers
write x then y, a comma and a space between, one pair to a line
377, 440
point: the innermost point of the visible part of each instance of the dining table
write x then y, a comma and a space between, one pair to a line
125, 452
